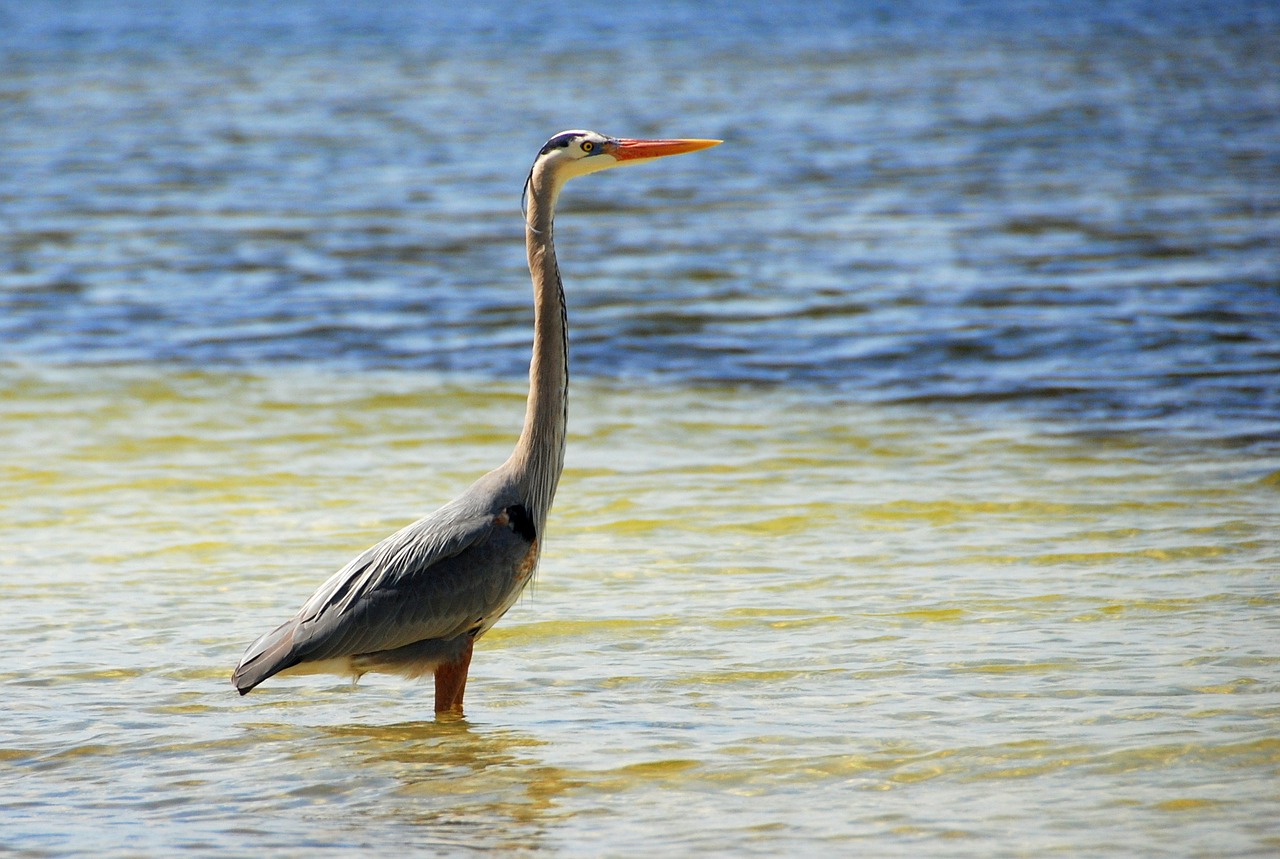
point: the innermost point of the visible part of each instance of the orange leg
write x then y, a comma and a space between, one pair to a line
451, 681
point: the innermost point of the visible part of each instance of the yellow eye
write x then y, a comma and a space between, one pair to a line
587, 146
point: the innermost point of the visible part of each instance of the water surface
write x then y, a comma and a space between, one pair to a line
923, 481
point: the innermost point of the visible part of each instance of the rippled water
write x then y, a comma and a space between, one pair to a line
763, 624
923, 480
1078, 215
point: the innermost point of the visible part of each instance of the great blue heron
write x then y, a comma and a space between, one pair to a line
416, 602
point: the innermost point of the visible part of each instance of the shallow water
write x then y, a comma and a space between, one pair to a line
763, 624
923, 485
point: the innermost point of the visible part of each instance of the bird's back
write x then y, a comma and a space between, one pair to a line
412, 599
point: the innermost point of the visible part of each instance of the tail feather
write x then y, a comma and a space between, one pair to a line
269, 655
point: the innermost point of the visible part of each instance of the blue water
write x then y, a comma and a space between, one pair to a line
921, 494
1063, 211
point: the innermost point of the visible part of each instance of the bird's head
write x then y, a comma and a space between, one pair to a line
577, 153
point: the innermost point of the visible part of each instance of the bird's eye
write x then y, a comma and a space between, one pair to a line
587, 146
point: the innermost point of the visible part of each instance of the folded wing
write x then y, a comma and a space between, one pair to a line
441, 577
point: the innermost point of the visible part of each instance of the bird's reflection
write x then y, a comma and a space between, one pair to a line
460, 783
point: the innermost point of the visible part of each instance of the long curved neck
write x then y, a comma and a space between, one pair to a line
539, 455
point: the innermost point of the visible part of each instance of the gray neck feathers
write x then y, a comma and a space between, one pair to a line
539, 455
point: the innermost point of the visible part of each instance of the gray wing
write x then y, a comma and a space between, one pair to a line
440, 577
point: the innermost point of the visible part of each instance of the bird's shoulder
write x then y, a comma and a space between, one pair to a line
490, 518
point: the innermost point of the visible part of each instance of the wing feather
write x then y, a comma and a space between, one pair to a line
440, 577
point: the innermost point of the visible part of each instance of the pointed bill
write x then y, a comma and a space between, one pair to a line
627, 149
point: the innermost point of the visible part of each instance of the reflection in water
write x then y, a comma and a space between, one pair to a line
744, 628
263, 301
461, 784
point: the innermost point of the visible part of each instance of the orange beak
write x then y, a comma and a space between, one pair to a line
625, 149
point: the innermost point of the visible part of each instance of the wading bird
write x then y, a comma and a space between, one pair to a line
416, 602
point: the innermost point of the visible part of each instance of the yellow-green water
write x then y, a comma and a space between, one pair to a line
923, 478
765, 622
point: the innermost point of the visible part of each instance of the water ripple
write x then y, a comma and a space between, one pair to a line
1079, 229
